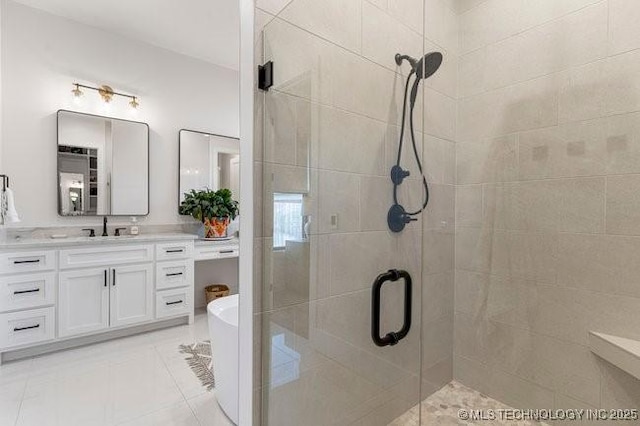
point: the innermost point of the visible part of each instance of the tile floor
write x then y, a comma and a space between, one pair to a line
442, 408
139, 380
143, 380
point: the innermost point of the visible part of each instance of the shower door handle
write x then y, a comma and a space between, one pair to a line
393, 337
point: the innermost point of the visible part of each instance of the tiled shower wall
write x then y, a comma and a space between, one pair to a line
547, 205
329, 129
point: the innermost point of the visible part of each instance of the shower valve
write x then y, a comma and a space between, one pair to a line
398, 175
398, 218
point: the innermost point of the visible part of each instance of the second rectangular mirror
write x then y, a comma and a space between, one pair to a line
208, 161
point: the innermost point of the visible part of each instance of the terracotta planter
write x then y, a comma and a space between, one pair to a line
216, 227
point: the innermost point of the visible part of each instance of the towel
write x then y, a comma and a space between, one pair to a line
12, 213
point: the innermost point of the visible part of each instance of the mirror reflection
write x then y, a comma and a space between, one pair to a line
208, 161
103, 166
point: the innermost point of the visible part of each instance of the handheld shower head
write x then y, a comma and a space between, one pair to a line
425, 67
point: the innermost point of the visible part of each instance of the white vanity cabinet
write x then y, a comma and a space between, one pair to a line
96, 299
75, 292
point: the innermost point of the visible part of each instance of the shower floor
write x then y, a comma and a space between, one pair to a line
442, 408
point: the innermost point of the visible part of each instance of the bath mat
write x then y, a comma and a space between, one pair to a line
200, 362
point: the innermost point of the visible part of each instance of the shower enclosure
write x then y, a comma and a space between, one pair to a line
528, 137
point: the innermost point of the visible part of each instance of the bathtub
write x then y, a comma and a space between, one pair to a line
223, 329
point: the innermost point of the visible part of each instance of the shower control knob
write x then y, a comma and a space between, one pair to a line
397, 218
398, 175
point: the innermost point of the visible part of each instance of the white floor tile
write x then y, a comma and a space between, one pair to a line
15, 371
140, 385
137, 380
208, 411
11, 395
187, 381
83, 402
178, 415
9, 412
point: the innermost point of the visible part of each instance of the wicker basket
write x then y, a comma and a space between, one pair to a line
215, 291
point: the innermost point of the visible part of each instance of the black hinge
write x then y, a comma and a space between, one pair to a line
265, 76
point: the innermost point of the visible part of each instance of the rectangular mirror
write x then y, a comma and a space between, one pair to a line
103, 166
209, 161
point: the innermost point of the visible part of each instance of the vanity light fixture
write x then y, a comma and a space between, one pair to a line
106, 92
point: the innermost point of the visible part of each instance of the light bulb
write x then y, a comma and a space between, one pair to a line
77, 92
134, 104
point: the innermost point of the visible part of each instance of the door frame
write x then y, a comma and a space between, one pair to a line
246, 261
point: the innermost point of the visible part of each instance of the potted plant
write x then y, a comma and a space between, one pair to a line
215, 209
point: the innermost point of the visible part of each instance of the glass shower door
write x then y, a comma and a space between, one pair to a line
330, 127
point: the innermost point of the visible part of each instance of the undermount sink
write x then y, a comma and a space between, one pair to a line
113, 237
100, 238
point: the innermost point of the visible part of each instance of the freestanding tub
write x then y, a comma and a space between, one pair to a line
223, 329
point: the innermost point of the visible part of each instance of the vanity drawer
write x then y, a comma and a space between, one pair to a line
178, 273
27, 261
212, 251
27, 327
102, 256
26, 291
171, 303
170, 251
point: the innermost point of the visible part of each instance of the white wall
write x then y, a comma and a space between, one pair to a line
42, 55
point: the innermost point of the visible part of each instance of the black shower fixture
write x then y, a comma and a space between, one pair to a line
398, 217
423, 69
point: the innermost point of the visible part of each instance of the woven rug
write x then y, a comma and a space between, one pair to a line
200, 362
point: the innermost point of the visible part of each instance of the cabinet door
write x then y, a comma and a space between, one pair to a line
131, 294
83, 301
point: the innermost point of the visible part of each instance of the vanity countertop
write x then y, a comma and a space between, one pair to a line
31, 243
206, 243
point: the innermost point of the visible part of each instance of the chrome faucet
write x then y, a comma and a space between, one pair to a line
104, 227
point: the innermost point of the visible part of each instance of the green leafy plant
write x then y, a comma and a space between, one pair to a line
208, 204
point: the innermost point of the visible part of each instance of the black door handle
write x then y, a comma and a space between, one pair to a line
177, 302
393, 337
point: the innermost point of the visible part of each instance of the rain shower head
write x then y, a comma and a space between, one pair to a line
425, 67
